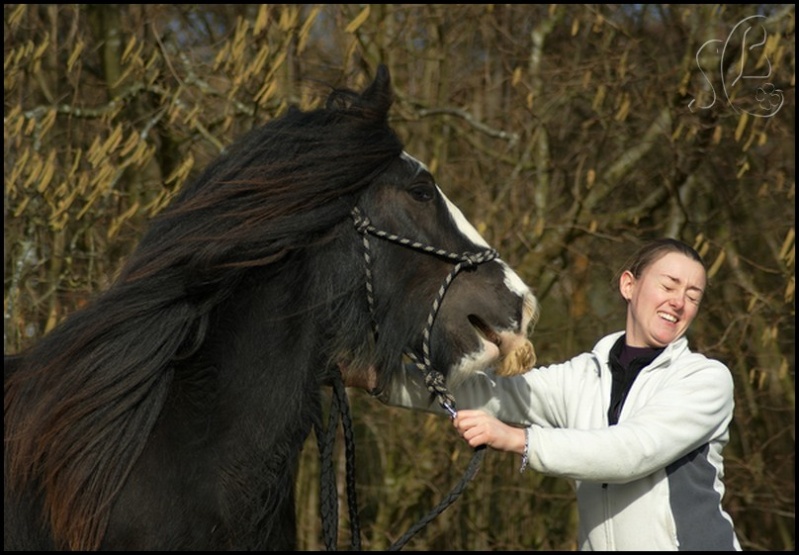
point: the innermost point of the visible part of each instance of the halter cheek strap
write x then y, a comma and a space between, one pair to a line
434, 380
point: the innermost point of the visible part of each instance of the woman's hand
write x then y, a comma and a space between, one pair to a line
479, 428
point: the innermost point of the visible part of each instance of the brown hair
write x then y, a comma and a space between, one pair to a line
649, 253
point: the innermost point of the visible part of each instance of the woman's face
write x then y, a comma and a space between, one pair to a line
663, 301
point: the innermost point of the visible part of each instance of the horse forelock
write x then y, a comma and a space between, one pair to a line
274, 191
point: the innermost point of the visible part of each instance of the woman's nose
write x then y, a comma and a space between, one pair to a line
677, 300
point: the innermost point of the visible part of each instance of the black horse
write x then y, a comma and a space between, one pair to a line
170, 412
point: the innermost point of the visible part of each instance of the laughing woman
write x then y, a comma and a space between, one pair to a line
638, 423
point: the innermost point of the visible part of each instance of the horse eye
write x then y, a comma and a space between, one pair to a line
423, 193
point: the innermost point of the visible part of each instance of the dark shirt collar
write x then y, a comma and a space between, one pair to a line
625, 355
625, 364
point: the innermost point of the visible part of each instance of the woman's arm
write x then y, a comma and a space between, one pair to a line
539, 396
685, 414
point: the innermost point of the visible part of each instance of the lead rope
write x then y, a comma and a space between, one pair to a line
434, 380
471, 470
328, 496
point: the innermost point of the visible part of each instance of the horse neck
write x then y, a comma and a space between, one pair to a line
269, 349
260, 346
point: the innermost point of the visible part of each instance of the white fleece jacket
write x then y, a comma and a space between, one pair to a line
651, 482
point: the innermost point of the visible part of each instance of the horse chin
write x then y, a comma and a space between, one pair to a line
508, 354
488, 357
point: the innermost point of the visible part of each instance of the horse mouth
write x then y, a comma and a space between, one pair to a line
484, 331
513, 353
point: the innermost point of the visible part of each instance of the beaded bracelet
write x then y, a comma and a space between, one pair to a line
526, 446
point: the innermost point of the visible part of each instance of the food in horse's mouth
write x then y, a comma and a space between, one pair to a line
516, 354
518, 360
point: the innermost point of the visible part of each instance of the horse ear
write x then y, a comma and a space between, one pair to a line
374, 102
379, 92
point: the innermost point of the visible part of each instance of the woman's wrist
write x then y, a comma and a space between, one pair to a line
526, 432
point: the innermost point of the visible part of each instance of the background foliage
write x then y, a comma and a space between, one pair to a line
568, 134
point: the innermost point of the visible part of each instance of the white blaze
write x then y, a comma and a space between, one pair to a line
464, 225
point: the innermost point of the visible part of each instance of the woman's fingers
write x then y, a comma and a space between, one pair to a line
476, 427
480, 428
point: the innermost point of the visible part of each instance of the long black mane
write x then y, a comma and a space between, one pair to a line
80, 404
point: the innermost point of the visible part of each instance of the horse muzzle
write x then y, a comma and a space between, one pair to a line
511, 350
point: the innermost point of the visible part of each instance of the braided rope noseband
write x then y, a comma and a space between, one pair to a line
434, 380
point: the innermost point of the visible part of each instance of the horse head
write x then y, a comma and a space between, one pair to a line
437, 292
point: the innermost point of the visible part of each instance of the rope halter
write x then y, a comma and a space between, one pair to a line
434, 380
